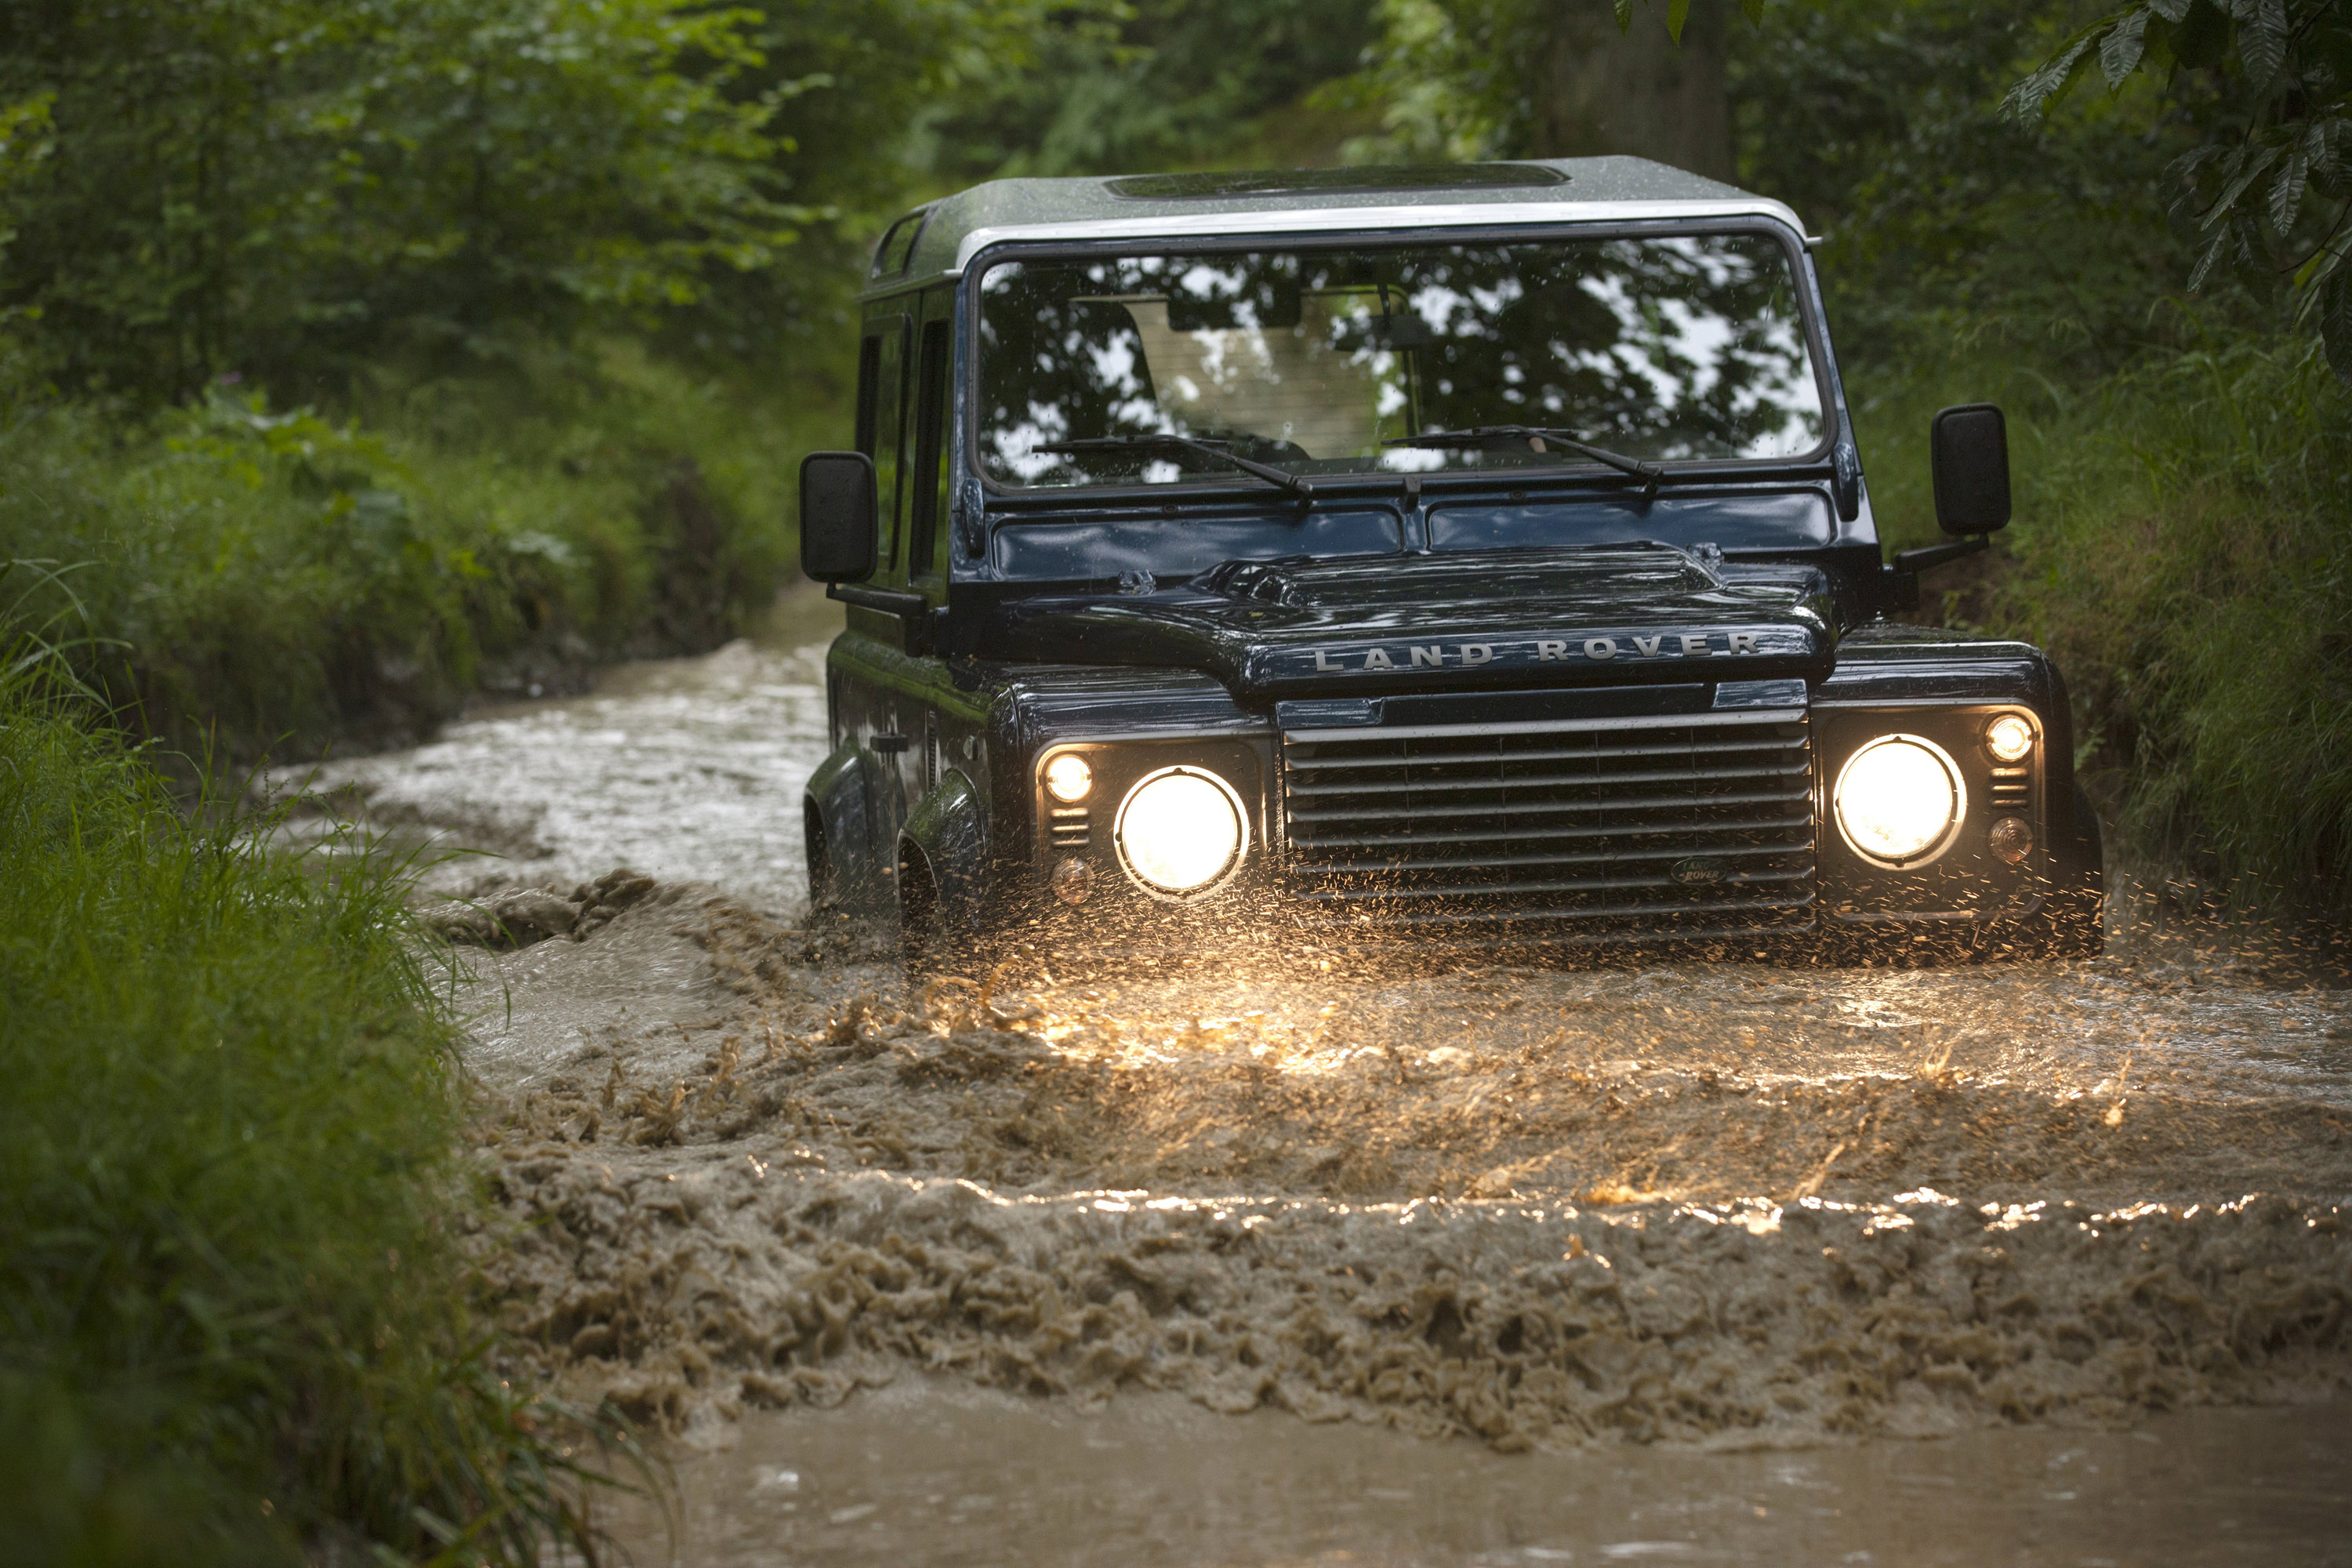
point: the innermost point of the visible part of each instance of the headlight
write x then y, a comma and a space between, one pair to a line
1181, 830
1067, 778
2008, 738
1898, 799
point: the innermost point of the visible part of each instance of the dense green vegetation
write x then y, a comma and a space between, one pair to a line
289, 577
230, 1320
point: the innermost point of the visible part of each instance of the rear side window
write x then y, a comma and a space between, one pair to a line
930, 477
881, 418
897, 246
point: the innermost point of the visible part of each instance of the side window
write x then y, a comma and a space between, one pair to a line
931, 476
881, 406
869, 354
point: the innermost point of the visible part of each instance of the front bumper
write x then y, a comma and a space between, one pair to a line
1696, 814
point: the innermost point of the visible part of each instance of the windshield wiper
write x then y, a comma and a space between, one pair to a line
1215, 451
1540, 440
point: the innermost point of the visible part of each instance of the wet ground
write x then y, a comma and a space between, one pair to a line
1649, 1237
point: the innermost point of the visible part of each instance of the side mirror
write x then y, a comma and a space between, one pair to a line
838, 512
1968, 446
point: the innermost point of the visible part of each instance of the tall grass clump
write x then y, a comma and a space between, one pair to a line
234, 1319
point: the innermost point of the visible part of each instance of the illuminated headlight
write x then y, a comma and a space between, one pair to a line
1067, 778
1181, 831
2009, 739
1898, 800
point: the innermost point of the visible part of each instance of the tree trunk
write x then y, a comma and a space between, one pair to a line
1604, 91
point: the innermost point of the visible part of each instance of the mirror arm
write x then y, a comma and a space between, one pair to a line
1918, 561
892, 600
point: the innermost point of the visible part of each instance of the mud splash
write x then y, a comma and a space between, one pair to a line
1478, 1212
739, 1166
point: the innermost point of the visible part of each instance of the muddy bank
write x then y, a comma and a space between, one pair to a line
1737, 1204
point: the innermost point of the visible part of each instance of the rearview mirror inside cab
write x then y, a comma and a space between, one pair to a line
839, 509
1969, 446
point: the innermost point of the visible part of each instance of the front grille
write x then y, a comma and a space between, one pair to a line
1681, 825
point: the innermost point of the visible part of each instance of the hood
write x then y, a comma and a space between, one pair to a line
1584, 616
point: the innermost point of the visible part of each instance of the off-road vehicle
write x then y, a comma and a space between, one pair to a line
1442, 556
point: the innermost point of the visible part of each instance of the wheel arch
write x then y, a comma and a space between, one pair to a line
946, 839
837, 817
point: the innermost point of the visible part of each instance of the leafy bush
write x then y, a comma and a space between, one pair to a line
232, 1311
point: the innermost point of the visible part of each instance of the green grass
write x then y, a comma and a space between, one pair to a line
233, 1304
2183, 546
279, 581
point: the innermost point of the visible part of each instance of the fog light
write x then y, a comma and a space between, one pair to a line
2009, 739
1180, 831
1072, 880
2011, 840
1898, 799
1067, 778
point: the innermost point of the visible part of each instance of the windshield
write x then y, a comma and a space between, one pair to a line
1675, 348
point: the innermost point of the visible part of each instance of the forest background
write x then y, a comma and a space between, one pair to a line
356, 357
363, 357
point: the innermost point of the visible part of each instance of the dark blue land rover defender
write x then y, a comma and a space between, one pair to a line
1401, 557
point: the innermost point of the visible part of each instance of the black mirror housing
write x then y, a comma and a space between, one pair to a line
1968, 446
839, 508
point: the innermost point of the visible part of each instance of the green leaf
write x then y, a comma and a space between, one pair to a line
2286, 191
1677, 13
2247, 167
1754, 9
2205, 262
1624, 16
2262, 41
2029, 98
2171, 10
2319, 146
2120, 50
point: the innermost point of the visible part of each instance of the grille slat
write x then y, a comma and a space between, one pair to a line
1596, 857
1315, 765
1653, 823
1617, 802
1520, 833
1540, 781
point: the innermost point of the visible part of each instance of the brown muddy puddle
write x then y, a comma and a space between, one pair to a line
930, 1470
1178, 1268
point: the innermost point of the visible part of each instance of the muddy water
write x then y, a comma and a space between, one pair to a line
1492, 1222
932, 1470
684, 768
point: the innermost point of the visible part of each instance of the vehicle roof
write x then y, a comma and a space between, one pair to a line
948, 233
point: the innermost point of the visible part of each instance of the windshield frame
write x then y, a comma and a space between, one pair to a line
1811, 465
